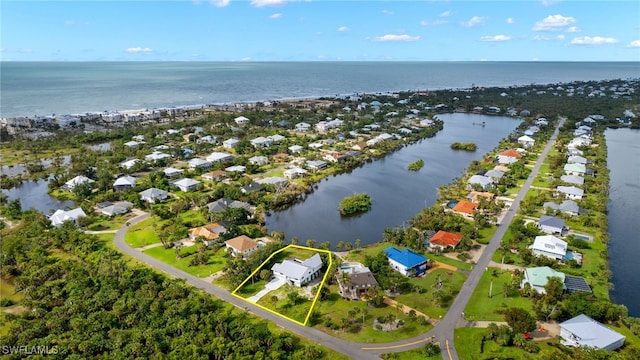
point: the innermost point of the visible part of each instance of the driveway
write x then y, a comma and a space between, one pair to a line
274, 284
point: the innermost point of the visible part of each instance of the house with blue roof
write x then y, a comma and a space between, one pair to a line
406, 261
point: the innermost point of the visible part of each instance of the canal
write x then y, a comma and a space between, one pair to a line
397, 193
623, 161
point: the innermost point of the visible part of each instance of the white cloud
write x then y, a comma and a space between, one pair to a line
446, 13
634, 44
220, 3
546, 38
573, 29
549, 2
496, 38
553, 23
138, 50
510, 21
275, 16
343, 28
263, 3
474, 21
387, 12
245, 59
596, 40
432, 23
394, 37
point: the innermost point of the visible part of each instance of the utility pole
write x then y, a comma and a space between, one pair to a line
490, 289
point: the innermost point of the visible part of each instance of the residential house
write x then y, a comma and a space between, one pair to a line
569, 207
186, 184
273, 180
360, 146
216, 175
209, 139
549, 246
276, 138
153, 195
129, 163
406, 261
316, 164
570, 192
250, 188
475, 196
334, 156
298, 273
60, 216
295, 149
117, 208
156, 156
511, 153
173, 172
259, 160
241, 120
209, 232
574, 151
479, 180
572, 179
132, 144
552, 225
242, 245
124, 183
506, 160
219, 157
538, 277
526, 141
444, 239
584, 331
465, 208
230, 143
78, 180
494, 174
261, 142
575, 169
294, 173
199, 163
576, 159
224, 203
356, 282
236, 169
303, 126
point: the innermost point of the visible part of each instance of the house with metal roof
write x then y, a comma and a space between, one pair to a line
406, 262
549, 246
124, 183
296, 272
153, 195
571, 192
575, 169
552, 225
538, 277
60, 216
78, 180
186, 184
569, 207
584, 331
572, 179
484, 182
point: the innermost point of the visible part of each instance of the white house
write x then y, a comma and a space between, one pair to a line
549, 246
186, 184
259, 160
303, 126
199, 163
129, 163
261, 142
276, 138
584, 331
124, 183
575, 169
219, 157
60, 216
406, 261
230, 143
294, 173
153, 195
80, 179
173, 172
295, 149
526, 141
484, 181
572, 179
242, 245
570, 192
156, 155
298, 273
552, 225
241, 120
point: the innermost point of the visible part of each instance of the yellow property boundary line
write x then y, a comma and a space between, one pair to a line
315, 299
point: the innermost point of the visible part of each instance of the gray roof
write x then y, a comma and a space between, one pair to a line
496, 174
591, 333
570, 190
577, 159
551, 221
154, 193
479, 179
569, 206
572, 179
313, 262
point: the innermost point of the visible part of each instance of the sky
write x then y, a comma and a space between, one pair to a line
320, 30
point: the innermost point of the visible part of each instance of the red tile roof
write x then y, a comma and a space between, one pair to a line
465, 206
444, 238
511, 153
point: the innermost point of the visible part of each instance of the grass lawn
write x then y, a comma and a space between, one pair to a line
449, 261
336, 308
483, 308
251, 288
425, 302
62, 195
107, 224
468, 342
142, 234
192, 218
216, 262
8, 291
411, 355
283, 306
275, 173
486, 234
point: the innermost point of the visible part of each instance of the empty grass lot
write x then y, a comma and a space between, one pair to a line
217, 261
425, 302
468, 343
142, 234
483, 308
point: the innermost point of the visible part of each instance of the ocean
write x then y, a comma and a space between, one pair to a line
45, 88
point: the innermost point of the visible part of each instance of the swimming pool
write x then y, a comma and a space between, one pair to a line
451, 204
582, 237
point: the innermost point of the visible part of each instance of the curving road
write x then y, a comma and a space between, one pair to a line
442, 332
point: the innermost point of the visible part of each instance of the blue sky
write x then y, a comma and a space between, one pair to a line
320, 30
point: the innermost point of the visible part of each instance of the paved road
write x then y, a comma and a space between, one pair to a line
442, 332
344, 347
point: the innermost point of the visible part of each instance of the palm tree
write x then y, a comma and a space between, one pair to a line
311, 243
358, 242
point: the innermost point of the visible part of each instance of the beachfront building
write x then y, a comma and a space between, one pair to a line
584, 331
296, 272
406, 262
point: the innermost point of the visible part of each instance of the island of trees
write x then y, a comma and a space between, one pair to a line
354, 204
464, 146
416, 165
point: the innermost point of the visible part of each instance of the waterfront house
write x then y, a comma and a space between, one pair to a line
230, 143
475, 196
357, 281
294, 173
242, 245
209, 232
549, 246
575, 169
572, 179
494, 174
272, 180
259, 160
60, 216
444, 239
250, 188
124, 183
131, 144
241, 120
406, 262
526, 141
186, 184
153, 195
296, 272
552, 225
78, 180
576, 159
584, 331
570, 192
216, 175
316, 164
538, 277
506, 160
219, 157
465, 208
569, 207
483, 182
